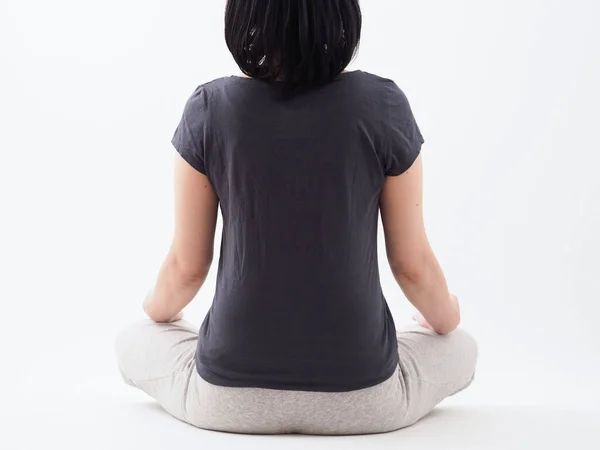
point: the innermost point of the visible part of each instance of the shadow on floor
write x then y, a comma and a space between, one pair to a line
451, 427
504, 427
100, 416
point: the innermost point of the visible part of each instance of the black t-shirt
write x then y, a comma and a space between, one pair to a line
298, 303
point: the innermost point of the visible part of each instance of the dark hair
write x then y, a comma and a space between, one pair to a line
301, 43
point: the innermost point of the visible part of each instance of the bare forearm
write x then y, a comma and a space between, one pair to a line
426, 288
173, 291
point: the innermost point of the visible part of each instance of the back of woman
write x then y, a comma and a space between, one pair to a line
298, 302
300, 156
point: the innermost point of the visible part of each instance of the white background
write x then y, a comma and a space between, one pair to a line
506, 93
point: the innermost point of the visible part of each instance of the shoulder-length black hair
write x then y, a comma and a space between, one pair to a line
300, 43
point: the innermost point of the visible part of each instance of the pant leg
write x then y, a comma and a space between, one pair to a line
160, 360
433, 367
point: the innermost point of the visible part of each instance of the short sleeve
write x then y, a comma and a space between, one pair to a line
403, 139
189, 137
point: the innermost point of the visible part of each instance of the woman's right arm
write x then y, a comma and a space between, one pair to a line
410, 256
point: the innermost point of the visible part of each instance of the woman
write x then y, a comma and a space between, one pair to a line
300, 156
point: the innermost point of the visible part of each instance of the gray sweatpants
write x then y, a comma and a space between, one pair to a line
159, 359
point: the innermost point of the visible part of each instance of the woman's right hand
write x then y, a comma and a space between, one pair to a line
418, 317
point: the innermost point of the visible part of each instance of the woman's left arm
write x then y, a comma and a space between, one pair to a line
190, 256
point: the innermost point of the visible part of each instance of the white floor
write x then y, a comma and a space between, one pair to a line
57, 392
99, 412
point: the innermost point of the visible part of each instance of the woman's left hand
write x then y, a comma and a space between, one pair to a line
148, 299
